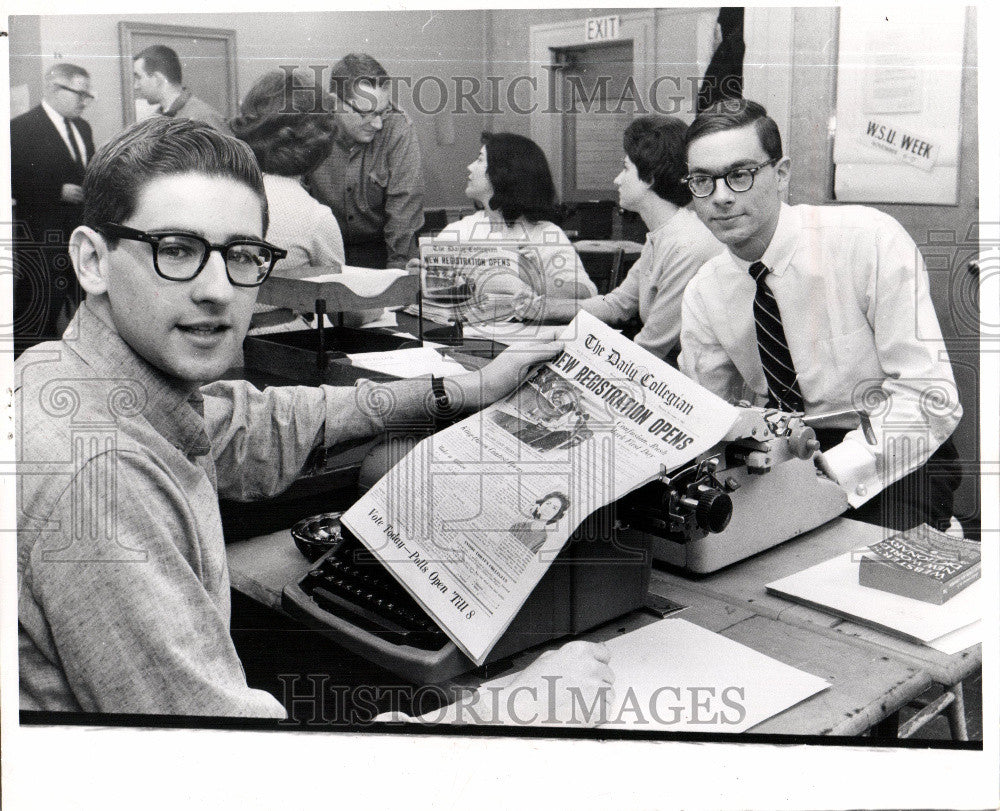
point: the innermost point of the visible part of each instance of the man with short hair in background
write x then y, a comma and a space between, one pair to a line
156, 77
50, 147
373, 180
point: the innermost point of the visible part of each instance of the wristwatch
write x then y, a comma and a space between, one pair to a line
442, 402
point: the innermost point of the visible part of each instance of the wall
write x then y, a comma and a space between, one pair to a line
26, 71
410, 44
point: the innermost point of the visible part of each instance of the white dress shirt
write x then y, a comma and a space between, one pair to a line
854, 299
59, 122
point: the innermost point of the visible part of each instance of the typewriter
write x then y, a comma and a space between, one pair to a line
756, 489
353, 600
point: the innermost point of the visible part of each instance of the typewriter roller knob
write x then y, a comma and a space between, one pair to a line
714, 510
802, 440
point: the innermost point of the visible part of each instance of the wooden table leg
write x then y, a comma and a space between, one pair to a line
956, 714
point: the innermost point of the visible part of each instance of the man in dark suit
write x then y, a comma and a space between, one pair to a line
50, 146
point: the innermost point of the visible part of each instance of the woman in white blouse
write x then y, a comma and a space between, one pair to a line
288, 143
511, 180
651, 184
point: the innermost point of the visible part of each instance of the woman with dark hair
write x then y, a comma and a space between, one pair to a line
651, 184
290, 135
511, 181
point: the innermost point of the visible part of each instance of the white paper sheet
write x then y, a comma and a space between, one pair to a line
833, 584
674, 675
412, 362
959, 640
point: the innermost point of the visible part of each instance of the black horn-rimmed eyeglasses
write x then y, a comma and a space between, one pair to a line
180, 256
739, 179
83, 94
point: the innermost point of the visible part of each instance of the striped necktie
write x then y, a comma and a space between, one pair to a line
782, 379
73, 148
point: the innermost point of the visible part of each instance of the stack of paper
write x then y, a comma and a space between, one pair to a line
513, 331
833, 586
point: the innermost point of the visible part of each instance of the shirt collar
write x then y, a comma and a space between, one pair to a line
178, 103
172, 407
56, 117
778, 254
287, 181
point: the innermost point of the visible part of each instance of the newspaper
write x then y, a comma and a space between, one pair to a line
472, 517
477, 282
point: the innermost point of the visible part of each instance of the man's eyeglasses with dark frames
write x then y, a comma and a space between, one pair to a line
739, 179
83, 94
180, 256
367, 116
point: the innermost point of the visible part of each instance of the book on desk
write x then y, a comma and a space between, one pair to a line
921, 563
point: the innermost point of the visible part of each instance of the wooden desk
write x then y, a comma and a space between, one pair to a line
744, 584
867, 682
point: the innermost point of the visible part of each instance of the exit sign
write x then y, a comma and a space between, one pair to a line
600, 28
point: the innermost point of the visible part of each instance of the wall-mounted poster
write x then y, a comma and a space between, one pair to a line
899, 87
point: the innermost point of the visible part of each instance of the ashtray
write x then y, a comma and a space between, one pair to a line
318, 534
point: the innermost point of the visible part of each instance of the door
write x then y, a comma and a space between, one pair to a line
596, 88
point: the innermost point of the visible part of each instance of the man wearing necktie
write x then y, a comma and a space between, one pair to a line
50, 147
815, 309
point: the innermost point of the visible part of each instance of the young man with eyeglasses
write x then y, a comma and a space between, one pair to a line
123, 451
820, 309
50, 147
373, 180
